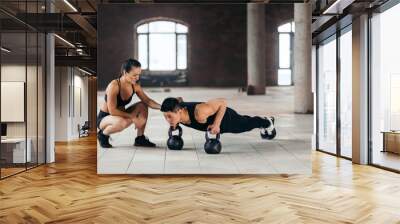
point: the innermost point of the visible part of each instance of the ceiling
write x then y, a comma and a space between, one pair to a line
76, 22
72, 20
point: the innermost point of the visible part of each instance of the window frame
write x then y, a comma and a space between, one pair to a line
380, 9
176, 33
333, 37
291, 37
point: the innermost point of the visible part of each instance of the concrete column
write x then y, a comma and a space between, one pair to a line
360, 90
92, 88
50, 92
255, 49
302, 74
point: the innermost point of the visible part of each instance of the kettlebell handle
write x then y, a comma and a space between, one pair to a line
171, 130
209, 133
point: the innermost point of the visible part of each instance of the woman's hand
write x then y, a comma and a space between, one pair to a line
147, 100
180, 99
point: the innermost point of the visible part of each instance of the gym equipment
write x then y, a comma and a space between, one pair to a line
83, 131
175, 142
212, 145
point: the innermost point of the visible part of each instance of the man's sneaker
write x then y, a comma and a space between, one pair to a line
143, 141
270, 131
103, 139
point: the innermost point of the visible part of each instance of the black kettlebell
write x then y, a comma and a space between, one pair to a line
265, 134
212, 145
175, 142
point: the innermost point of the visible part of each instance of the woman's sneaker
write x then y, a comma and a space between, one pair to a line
103, 139
143, 141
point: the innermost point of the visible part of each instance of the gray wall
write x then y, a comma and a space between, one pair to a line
217, 39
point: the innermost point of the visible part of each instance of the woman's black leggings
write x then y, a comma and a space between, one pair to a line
233, 122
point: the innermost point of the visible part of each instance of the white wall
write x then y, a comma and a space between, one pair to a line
70, 83
61, 103
80, 93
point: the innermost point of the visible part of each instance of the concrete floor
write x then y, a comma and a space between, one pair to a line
243, 153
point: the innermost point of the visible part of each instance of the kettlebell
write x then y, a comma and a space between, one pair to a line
175, 142
265, 134
212, 145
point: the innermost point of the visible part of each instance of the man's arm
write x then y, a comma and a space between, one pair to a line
214, 106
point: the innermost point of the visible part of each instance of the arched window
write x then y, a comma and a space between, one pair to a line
162, 45
285, 53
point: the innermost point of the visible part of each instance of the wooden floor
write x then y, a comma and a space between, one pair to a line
70, 191
10, 171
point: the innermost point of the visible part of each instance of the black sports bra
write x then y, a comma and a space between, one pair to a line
120, 101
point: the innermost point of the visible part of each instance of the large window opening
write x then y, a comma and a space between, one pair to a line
162, 45
285, 53
385, 89
334, 81
346, 93
327, 95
